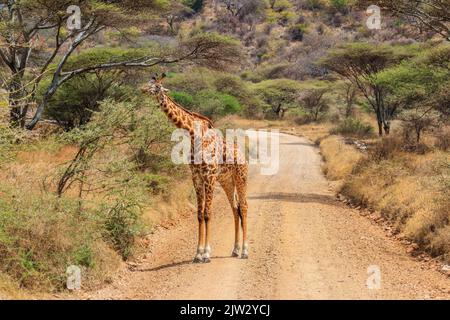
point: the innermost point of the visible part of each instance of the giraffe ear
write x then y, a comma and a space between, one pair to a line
163, 76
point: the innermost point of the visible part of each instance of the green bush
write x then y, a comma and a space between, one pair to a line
297, 31
183, 98
75, 101
343, 6
195, 5
353, 127
41, 235
214, 94
156, 183
314, 4
216, 104
122, 222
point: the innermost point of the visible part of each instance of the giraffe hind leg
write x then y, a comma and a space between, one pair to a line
241, 189
228, 186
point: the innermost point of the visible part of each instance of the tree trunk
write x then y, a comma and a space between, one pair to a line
380, 129
418, 134
18, 106
387, 128
379, 122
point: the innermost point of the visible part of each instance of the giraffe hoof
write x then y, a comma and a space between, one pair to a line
244, 256
235, 254
206, 260
197, 260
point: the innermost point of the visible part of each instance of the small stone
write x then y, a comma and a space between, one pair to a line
446, 269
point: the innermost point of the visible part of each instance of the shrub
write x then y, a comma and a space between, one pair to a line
189, 82
156, 183
214, 104
278, 95
343, 6
443, 139
122, 222
314, 4
297, 31
41, 235
74, 103
353, 127
195, 5
303, 119
386, 149
340, 158
315, 103
183, 98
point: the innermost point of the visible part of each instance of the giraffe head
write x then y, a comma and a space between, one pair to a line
154, 86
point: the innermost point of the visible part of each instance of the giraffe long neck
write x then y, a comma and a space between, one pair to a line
179, 116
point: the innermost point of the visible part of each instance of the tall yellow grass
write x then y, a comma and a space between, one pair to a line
340, 158
410, 190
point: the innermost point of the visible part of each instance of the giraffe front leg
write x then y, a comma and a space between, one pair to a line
200, 193
201, 239
237, 247
209, 192
243, 214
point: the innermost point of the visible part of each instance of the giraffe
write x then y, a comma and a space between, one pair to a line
232, 176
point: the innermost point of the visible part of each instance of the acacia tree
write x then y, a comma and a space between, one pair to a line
417, 88
433, 15
360, 63
315, 103
23, 23
279, 95
241, 8
350, 98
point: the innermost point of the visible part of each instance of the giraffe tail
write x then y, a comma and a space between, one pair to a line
237, 204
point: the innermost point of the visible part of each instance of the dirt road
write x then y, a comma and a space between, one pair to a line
303, 245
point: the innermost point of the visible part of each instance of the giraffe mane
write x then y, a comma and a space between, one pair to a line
194, 114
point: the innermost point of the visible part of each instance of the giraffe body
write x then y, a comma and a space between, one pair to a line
231, 175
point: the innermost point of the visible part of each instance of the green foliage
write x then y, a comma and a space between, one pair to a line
183, 98
360, 63
122, 219
83, 256
212, 50
213, 93
278, 92
314, 4
76, 100
95, 56
363, 59
415, 82
343, 6
147, 129
215, 104
156, 183
353, 127
133, 129
195, 5
41, 235
190, 82
297, 31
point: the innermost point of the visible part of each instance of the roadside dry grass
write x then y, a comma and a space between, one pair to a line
340, 158
410, 190
41, 234
313, 131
